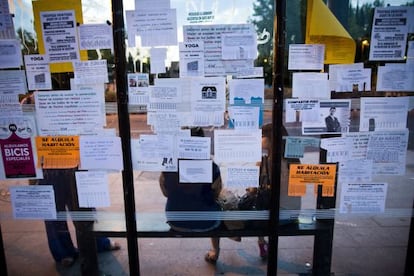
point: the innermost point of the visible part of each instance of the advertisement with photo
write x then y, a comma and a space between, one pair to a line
334, 118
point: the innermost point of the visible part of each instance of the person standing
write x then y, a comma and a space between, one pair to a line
58, 235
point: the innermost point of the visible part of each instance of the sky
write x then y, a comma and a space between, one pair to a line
99, 11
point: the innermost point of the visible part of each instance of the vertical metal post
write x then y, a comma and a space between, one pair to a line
323, 242
409, 266
125, 134
3, 264
277, 115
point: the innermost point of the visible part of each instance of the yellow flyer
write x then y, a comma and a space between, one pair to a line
317, 174
57, 152
56, 27
322, 27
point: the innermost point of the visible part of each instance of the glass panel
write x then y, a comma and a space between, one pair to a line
234, 97
371, 212
208, 67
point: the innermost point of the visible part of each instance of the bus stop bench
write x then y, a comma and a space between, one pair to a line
156, 230
322, 230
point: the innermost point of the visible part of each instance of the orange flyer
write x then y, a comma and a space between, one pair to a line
58, 152
317, 174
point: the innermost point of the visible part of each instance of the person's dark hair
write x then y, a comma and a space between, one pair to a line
197, 131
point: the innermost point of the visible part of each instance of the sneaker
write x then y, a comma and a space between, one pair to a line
263, 247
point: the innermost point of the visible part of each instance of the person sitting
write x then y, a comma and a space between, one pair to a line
193, 197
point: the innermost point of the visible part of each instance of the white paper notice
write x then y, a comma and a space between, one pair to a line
208, 101
10, 53
395, 77
195, 171
154, 153
33, 202
359, 142
238, 46
12, 83
359, 198
95, 36
99, 88
183, 106
310, 86
214, 65
235, 146
68, 112
149, 4
158, 57
242, 177
100, 152
306, 56
165, 122
194, 147
247, 92
388, 150
59, 35
138, 88
156, 27
410, 51
358, 171
8, 109
308, 110
92, 188
353, 80
334, 70
389, 33
165, 94
244, 117
155, 109
38, 72
338, 149
383, 113
91, 71
191, 59
6, 21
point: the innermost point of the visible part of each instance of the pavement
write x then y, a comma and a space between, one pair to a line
363, 245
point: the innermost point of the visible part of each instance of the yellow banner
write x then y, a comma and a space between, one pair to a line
322, 27
53, 5
319, 174
57, 152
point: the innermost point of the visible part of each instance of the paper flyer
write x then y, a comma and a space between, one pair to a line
58, 37
18, 151
58, 152
317, 174
322, 27
33, 202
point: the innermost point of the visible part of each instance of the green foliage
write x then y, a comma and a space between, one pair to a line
27, 41
263, 14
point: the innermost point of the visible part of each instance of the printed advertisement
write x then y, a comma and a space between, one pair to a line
389, 33
318, 174
59, 35
17, 150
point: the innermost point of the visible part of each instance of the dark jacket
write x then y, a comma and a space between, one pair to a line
191, 197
